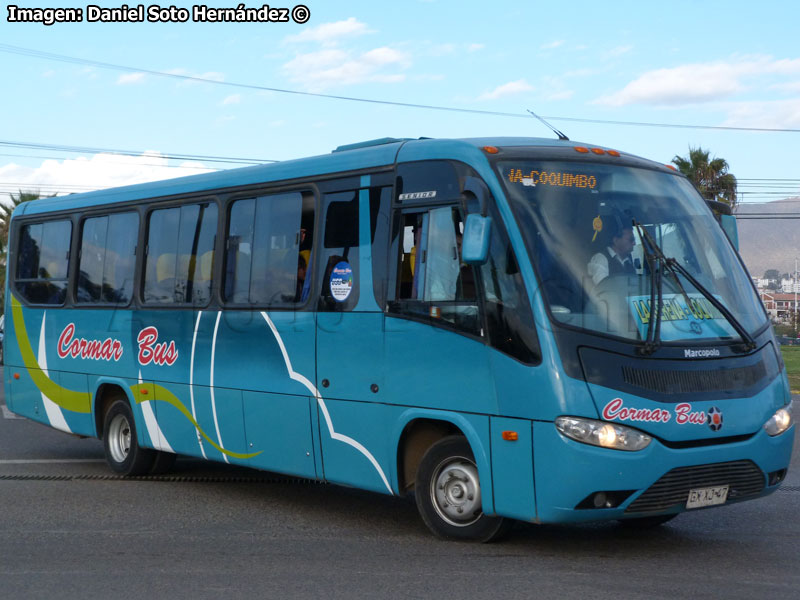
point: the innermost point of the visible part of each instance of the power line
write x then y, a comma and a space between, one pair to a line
89, 150
116, 67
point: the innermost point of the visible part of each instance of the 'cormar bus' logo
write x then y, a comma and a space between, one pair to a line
714, 418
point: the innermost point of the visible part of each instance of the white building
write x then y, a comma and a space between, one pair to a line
790, 286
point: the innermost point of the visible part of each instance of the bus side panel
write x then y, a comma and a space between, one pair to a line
278, 433
356, 443
80, 423
218, 416
26, 397
435, 368
512, 468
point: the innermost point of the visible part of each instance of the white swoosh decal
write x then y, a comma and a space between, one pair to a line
310, 386
53, 410
211, 383
191, 381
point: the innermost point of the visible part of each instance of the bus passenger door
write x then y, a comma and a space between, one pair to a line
352, 418
434, 337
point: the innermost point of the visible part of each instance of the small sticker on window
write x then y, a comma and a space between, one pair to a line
341, 281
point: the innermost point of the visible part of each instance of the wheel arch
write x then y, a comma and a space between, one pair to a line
106, 390
418, 429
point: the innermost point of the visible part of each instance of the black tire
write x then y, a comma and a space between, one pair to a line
123, 453
448, 494
646, 522
163, 462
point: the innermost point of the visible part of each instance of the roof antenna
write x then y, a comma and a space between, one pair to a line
560, 135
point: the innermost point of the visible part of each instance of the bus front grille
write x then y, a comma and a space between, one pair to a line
743, 476
683, 382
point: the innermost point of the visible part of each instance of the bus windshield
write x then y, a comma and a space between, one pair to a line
584, 224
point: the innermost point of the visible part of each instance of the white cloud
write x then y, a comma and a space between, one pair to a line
475, 47
507, 89
330, 33
129, 78
335, 67
777, 114
789, 86
552, 45
232, 99
699, 82
96, 172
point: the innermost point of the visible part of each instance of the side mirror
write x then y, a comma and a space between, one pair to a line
477, 235
728, 223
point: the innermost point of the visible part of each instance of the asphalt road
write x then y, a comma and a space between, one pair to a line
68, 531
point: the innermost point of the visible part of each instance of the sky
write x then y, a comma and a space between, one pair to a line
175, 95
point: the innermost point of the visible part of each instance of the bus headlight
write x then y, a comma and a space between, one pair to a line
603, 434
780, 421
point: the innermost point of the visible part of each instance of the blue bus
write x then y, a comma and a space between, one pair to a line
508, 329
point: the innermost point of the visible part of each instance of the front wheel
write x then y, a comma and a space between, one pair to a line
448, 494
123, 453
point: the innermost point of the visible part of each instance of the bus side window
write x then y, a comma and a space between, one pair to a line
43, 261
339, 263
431, 281
380, 199
107, 259
509, 318
269, 250
178, 238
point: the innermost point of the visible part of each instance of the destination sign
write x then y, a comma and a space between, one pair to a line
533, 178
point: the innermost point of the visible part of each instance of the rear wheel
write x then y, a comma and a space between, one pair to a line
448, 494
123, 453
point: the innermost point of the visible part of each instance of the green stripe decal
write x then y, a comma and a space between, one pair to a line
78, 402
162, 394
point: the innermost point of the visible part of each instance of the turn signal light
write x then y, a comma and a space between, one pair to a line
510, 436
490, 150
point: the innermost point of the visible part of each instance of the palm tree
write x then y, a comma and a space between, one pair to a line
710, 176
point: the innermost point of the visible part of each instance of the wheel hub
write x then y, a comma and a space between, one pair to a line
456, 492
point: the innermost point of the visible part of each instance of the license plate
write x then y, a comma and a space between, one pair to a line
710, 496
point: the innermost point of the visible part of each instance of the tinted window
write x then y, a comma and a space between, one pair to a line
432, 282
43, 261
508, 313
379, 209
339, 252
108, 258
180, 254
268, 249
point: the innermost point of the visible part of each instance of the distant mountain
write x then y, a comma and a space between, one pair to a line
771, 242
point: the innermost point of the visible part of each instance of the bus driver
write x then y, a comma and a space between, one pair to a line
616, 258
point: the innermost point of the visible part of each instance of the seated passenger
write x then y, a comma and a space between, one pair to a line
616, 258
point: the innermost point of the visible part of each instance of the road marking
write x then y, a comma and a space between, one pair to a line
49, 461
7, 414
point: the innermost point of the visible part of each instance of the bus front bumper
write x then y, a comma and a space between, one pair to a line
578, 482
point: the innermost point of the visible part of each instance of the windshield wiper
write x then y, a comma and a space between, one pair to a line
657, 262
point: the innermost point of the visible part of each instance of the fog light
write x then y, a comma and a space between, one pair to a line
776, 477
